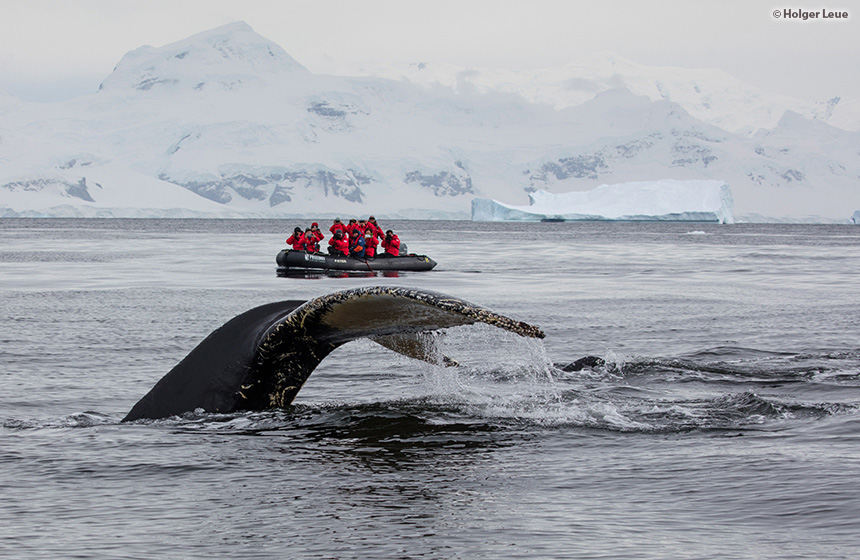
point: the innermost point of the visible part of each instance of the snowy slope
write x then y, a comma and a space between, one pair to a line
227, 123
225, 58
110, 190
712, 96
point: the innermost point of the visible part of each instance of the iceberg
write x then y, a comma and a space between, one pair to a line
855, 217
664, 200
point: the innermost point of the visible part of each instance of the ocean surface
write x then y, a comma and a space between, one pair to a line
725, 423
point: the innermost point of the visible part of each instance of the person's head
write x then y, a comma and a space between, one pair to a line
308, 230
297, 231
315, 225
368, 235
354, 233
337, 220
371, 219
389, 233
352, 220
338, 234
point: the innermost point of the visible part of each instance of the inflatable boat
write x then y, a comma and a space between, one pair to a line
289, 260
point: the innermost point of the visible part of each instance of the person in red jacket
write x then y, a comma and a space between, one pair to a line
373, 228
338, 225
391, 244
297, 240
311, 244
338, 245
370, 243
377, 231
315, 230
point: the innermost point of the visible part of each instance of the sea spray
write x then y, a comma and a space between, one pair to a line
497, 374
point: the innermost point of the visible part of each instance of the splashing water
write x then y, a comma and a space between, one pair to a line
498, 375
503, 377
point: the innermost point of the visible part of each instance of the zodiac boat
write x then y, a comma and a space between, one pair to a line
289, 260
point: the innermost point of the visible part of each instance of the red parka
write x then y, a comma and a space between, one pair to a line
375, 229
318, 233
341, 244
311, 244
370, 243
392, 246
297, 241
353, 226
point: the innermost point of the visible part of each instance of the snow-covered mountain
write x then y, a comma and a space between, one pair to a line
225, 123
712, 96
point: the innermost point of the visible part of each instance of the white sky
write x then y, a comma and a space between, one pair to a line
55, 49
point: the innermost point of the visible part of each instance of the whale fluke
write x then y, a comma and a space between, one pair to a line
261, 358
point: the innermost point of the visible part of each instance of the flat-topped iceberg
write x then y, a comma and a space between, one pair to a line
665, 200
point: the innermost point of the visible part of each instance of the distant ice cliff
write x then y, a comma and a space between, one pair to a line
666, 200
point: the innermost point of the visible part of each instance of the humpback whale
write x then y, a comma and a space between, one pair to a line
261, 358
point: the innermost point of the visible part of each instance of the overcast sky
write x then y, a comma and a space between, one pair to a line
55, 49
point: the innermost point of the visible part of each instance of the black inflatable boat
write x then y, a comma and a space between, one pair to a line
289, 260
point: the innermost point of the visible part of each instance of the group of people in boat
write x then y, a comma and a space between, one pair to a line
357, 238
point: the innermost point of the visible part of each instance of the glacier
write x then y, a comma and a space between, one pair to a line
711, 96
665, 200
226, 123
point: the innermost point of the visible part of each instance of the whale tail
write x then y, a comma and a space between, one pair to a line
261, 358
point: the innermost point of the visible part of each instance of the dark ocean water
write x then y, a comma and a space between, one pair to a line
725, 423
